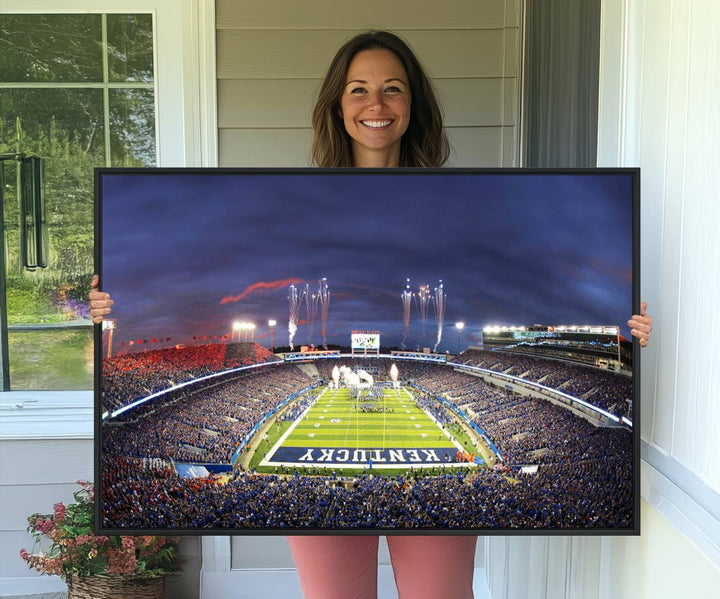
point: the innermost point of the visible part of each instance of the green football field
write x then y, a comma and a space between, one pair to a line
391, 431
335, 421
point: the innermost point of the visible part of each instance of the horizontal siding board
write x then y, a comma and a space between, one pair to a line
510, 100
512, 52
510, 141
252, 552
11, 564
263, 103
368, 14
19, 501
512, 13
281, 54
471, 102
474, 146
45, 461
287, 103
265, 147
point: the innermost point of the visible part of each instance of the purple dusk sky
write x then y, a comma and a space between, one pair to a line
185, 253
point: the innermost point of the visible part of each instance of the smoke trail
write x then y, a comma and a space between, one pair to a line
439, 311
294, 302
406, 301
311, 307
324, 298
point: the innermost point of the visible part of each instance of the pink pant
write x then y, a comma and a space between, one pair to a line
340, 567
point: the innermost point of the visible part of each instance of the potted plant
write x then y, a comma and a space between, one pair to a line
96, 566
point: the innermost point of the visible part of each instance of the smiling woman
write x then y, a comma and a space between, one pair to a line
375, 107
363, 114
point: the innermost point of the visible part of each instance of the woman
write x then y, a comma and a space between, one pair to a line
377, 108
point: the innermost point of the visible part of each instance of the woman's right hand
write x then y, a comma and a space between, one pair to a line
100, 302
641, 325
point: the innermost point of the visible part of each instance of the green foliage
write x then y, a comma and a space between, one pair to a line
28, 304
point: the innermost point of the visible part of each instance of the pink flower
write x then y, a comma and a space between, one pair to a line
25, 555
44, 526
53, 565
145, 540
128, 542
59, 509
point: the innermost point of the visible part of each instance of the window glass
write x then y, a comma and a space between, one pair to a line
36, 48
53, 120
75, 118
54, 359
130, 47
132, 127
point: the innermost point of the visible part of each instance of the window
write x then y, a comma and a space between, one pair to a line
78, 91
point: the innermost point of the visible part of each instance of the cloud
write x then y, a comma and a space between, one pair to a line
260, 286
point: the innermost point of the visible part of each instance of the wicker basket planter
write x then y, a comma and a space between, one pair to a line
116, 587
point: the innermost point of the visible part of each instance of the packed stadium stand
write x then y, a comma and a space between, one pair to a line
603, 388
583, 477
128, 377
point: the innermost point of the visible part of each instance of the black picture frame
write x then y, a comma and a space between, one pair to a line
151, 222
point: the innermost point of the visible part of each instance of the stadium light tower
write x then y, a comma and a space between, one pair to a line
236, 327
251, 326
109, 324
271, 324
459, 326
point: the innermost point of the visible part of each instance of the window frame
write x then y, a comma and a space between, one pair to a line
186, 135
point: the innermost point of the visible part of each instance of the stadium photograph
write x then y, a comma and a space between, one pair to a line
332, 351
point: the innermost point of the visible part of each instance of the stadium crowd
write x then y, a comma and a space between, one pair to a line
204, 425
525, 430
603, 388
131, 376
588, 494
583, 476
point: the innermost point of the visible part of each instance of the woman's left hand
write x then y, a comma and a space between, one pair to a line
641, 325
100, 302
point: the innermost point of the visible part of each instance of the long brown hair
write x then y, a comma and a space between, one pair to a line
423, 144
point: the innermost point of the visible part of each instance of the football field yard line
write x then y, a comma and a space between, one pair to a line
398, 430
440, 427
286, 434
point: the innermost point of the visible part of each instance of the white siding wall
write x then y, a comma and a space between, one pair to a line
271, 57
36, 473
660, 83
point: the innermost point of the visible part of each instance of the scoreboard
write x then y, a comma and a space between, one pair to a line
365, 341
